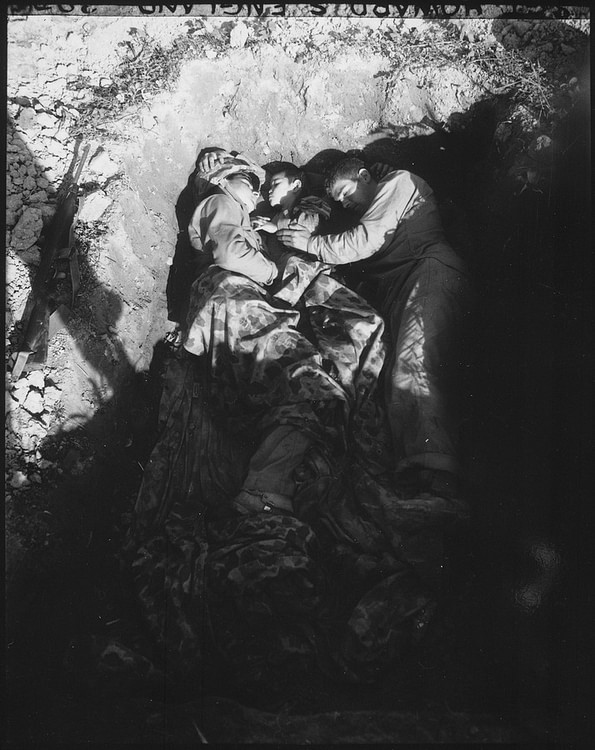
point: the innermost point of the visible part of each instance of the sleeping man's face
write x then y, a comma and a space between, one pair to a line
242, 188
354, 194
283, 190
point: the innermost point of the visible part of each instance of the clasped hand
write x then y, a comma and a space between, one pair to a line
295, 237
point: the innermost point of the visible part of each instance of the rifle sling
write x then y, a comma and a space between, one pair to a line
70, 254
75, 276
19, 364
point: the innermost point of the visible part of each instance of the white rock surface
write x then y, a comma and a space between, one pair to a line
36, 379
34, 402
102, 166
93, 206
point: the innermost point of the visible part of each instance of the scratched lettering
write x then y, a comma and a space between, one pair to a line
248, 9
378, 10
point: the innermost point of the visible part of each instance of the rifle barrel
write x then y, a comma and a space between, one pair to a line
81, 164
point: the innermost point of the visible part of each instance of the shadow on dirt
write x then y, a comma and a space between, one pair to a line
511, 648
65, 589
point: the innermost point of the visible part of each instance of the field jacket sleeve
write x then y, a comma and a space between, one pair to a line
396, 195
220, 229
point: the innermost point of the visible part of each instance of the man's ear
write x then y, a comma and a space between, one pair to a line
296, 184
364, 175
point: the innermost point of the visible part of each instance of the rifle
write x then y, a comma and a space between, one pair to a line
59, 238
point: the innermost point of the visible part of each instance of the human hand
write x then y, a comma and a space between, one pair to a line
211, 159
308, 220
296, 237
263, 223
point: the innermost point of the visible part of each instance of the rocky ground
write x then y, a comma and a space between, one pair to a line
494, 113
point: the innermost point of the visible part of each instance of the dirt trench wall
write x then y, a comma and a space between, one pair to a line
300, 88
273, 88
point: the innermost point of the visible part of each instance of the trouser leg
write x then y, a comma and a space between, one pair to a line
429, 365
277, 456
264, 373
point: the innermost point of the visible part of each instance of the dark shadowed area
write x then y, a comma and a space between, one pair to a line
495, 115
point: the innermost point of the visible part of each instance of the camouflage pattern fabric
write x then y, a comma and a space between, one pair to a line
350, 581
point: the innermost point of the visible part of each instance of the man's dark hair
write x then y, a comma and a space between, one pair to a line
346, 169
290, 170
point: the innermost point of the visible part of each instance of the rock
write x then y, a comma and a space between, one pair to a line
21, 388
39, 197
415, 113
45, 101
29, 183
11, 217
239, 35
34, 402
55, 148
45, 120
27, 229
14, 202
42, 183
102, 165
22, 101
18, 480
522, 27
56, 86
93, 206
36, 379
31, 256
27, 118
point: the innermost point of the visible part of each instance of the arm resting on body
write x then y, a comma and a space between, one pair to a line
395, 198
217, 227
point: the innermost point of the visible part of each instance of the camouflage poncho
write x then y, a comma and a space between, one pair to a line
349, 582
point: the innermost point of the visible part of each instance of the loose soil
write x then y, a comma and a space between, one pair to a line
495, 115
